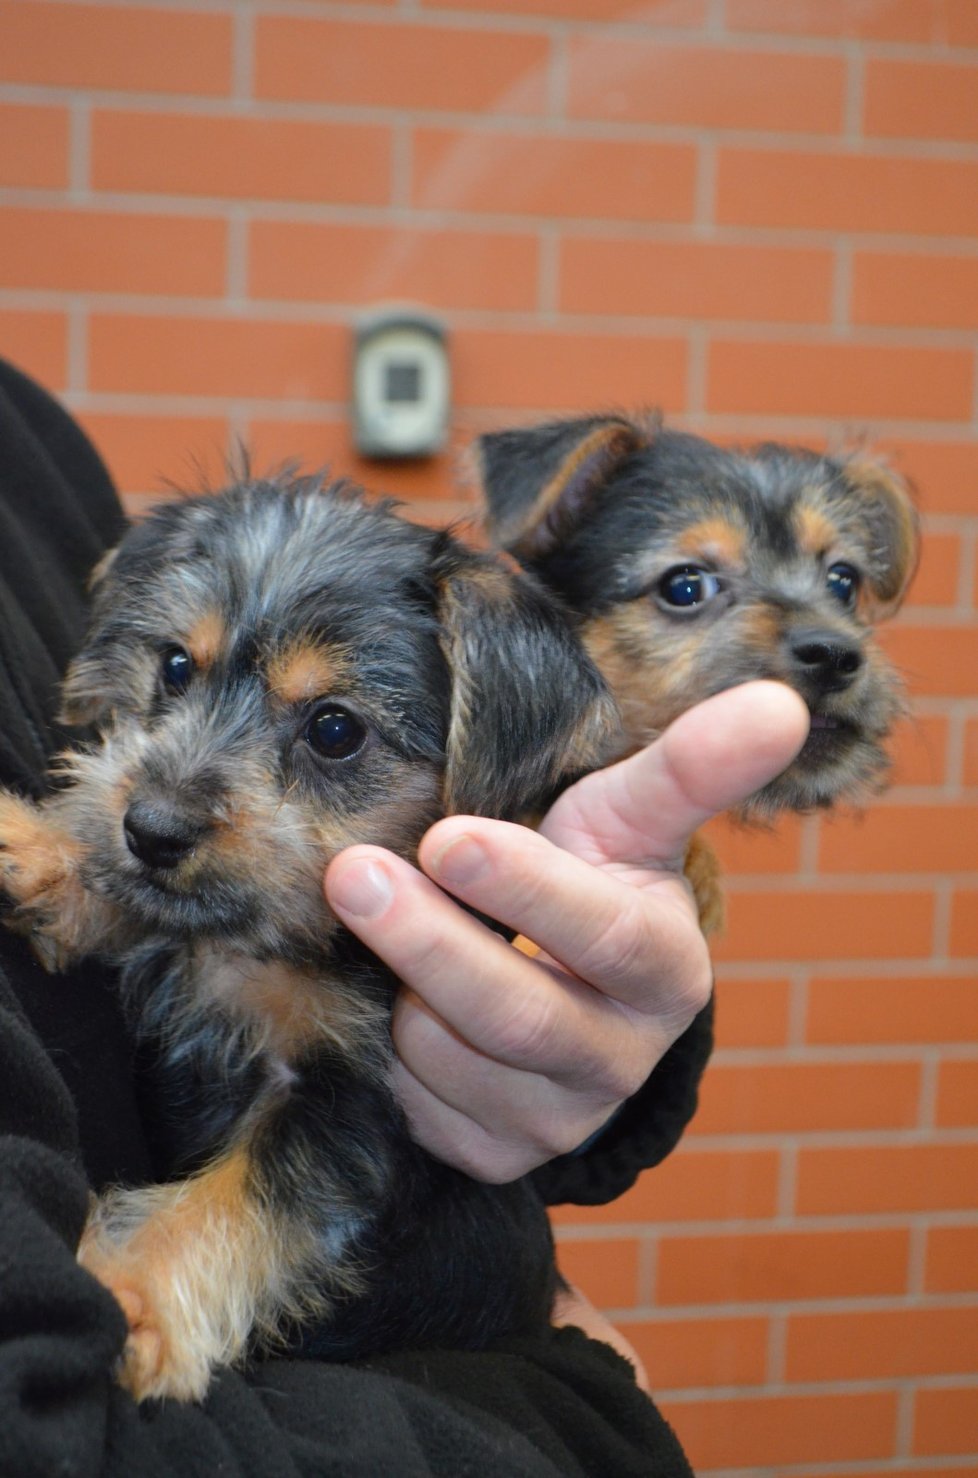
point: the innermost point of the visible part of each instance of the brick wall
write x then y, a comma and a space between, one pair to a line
761, 215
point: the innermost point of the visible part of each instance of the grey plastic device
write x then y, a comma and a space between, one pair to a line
401, 384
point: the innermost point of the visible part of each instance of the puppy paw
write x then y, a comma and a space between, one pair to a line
39, 875
152, 1363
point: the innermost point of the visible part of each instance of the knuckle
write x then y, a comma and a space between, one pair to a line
525, 1035
622, 948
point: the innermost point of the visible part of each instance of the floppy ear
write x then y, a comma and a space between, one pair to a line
100, 676
893, 529
529, 710
537, 480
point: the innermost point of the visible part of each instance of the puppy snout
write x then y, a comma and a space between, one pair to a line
825, 660
160, 833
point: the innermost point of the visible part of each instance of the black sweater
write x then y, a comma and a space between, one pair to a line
554, 1404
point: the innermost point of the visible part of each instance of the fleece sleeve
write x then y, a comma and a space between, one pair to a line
642, 1133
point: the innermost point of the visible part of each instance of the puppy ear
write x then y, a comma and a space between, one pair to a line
96, 681
893, 528
529, 710
538, 480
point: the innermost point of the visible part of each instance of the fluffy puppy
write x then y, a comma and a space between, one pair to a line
274, 673
691, 568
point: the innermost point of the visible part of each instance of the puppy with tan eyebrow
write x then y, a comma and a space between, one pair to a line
691, 568
274, 674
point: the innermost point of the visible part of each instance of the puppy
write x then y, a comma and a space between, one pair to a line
692, 568
273, 674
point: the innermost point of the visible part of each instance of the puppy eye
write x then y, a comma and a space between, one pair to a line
843, 582
335, 734
176, 669
688, 585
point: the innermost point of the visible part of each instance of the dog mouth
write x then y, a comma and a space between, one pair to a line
828, 735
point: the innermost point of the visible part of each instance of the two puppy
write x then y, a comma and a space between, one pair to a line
284, 670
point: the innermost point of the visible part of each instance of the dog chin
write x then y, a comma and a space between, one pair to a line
835, 764
163, 907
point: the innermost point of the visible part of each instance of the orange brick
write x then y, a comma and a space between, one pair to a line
752, 1013
328, 444
840, 380
146, 453
843, 924
847, 192
946, 1420
520, 173
961, 22
638, 81
902, 839
887, 1177
964, 922
178, 355
971, 752
367, 264
919, 751
937, 579
694, 1353
695, 280
241, 158
921, 99
971, 1471
756, 1432
936, 661
943, 472
661, 13
890, 1011
936, 291
800, 1097
884, 20
888, 1344
606, 1271
952, 1260
304, 58
33, 146
778, 1267
37, 343
691, 1185
101, 251
957, 1094
554, 370
756, 849
115, 46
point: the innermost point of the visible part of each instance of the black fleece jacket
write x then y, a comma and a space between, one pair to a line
529, 1407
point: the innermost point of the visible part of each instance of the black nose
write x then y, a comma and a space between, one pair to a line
159, 834
825, 659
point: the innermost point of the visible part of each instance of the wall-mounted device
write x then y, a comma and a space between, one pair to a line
401, 384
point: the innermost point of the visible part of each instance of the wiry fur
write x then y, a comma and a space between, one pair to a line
188, 843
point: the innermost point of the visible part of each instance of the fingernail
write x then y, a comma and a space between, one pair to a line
460, 862
361, 888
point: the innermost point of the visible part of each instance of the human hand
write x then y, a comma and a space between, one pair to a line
505, 1061
571, 1306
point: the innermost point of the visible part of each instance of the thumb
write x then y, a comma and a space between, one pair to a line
644, 809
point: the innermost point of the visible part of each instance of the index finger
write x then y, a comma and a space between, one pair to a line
645, 809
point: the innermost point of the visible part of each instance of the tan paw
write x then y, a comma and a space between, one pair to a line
152, 1364
39, 875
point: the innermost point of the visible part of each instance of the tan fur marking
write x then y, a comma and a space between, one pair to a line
305, 670
39, 870
207, 639
816, 533
190, 1264
702, 871
715, 538
291, 1007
